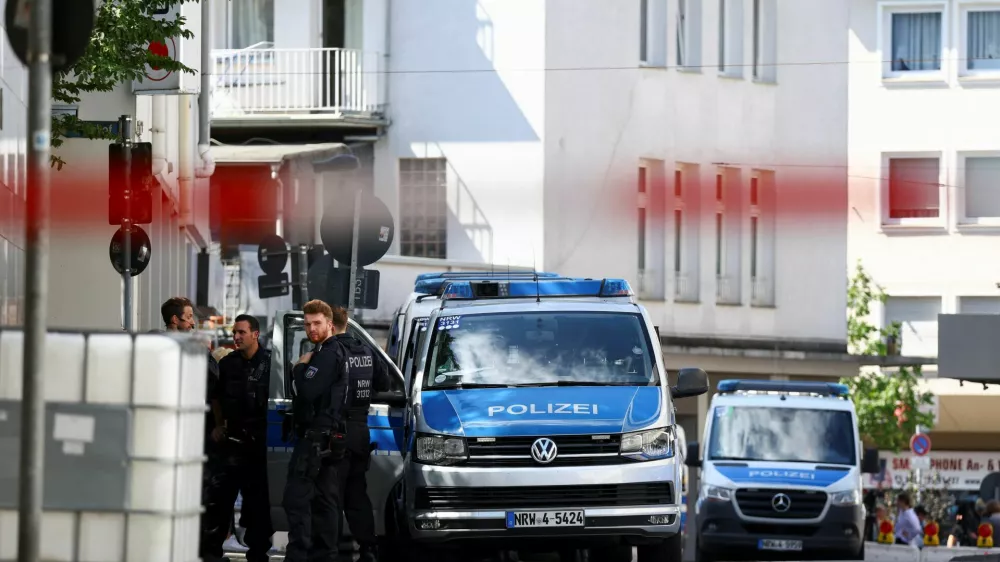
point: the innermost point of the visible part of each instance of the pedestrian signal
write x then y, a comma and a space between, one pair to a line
985, 536
885, 529
931, 537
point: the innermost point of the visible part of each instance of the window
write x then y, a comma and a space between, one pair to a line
644, 30
642, 221
918, 319
251, 24
688, 25
686, 258
652, 230
765, 50
914, 188
979, 305
719, 224
980, 41
982, 189
653, 32
762, 237
915, 40
731, 38
423, 207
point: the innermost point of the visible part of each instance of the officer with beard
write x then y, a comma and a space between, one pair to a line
365, 376
312, 497
240, 433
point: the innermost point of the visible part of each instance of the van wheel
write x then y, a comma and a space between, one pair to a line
667, 551
396, 544
612, 554
860, 554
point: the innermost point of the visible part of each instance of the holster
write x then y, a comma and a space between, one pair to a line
287, 426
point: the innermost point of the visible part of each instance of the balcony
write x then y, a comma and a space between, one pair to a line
269, 85
727, 290
762, 292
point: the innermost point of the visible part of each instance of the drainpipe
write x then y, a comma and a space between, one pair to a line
185, 158
206, 165
159, 131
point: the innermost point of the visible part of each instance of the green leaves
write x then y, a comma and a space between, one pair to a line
117, 53
888, 403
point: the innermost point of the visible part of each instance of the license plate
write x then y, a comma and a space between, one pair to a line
518, 519
778, 544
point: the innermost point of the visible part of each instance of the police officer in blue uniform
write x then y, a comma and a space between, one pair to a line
240, 409
366, 375
312, 499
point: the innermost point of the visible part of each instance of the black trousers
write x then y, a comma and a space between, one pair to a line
234, 470
312, 504
357, 505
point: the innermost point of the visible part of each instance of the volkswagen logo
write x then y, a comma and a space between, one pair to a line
781, 502
544, 450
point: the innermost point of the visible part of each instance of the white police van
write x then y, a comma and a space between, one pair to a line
540, 415
781, 473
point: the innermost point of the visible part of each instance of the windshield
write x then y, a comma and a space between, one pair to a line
540, 349
782, 435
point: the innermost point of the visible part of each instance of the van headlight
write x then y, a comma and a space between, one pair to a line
440, 449
716, 493
847, 497
649, 445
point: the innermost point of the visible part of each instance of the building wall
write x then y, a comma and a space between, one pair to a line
13, 166
609, 116
466, 86
936, 264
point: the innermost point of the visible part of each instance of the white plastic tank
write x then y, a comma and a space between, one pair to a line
160, 380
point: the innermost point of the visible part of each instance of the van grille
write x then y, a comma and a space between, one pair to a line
536, 497
573, 450
804, 504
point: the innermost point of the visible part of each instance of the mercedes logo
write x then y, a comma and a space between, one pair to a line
544, 450
781, 502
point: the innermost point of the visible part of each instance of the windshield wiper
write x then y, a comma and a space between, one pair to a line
467, 385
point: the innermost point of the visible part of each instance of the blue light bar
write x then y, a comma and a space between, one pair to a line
431, 283
821, 388
558, 287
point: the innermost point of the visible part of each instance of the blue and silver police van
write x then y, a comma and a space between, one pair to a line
540, 415
780, 473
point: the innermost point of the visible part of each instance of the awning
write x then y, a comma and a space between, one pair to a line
274, 154
964, 407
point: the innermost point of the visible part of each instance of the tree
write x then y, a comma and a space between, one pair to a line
117, 53
888, 404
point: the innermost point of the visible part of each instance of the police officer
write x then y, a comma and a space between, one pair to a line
240, 408
366, 375
312, 496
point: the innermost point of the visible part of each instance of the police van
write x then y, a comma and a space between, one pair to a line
781, 473
540, 414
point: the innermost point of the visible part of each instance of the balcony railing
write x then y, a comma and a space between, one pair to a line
268, 81
685, 288
762, 292
727, 290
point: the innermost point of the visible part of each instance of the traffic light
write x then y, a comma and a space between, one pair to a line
140, 175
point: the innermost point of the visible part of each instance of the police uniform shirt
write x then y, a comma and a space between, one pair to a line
316, 381
243, 389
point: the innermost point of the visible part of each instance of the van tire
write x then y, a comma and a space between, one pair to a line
612, 554
667, 551
860, 554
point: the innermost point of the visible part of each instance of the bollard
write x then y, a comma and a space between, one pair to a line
985, 536
885, 529
931, 530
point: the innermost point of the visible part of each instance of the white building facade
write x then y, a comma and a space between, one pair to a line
924, 170
13, 176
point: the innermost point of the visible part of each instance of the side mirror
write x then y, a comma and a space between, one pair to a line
393, 398
870, 463
691, 459
691, 381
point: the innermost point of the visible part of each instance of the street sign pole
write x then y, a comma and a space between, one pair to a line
32, 469
352, 288
125, 131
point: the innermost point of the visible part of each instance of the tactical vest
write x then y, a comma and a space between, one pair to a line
246, 396
360, 372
